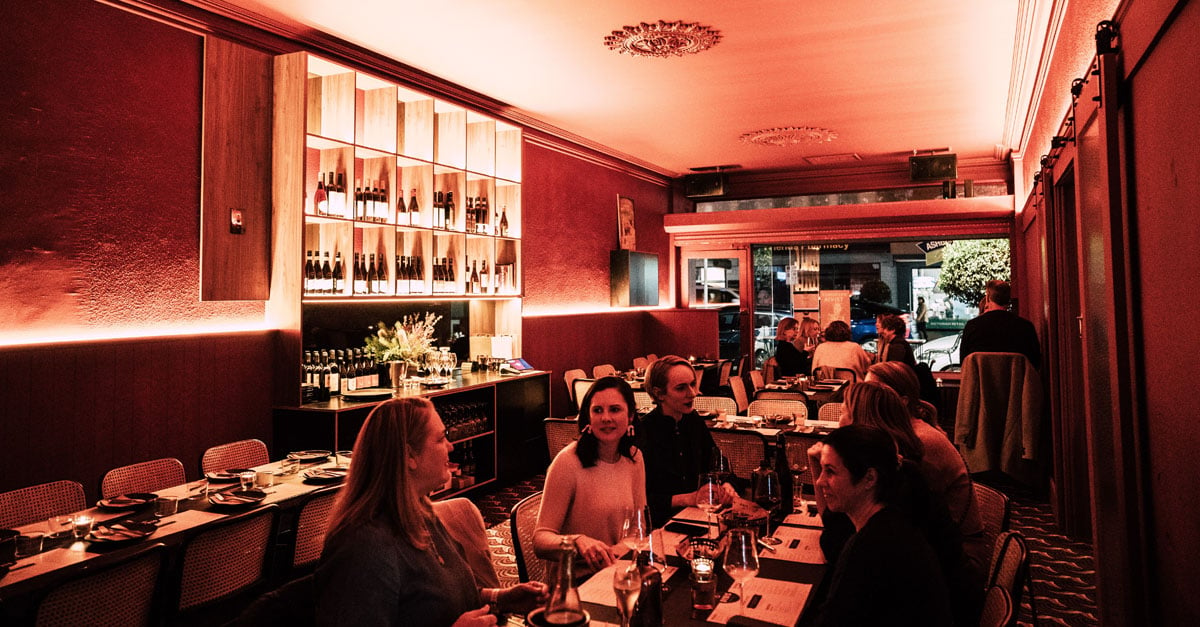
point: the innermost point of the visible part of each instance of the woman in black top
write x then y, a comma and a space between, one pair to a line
789, 360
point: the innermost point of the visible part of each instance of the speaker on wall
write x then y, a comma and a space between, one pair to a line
704, 185
933, 167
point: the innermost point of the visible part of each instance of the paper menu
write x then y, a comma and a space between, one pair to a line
778, 602
804, 519
598, 588
798, 545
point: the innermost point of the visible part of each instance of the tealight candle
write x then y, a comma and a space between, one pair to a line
83, 526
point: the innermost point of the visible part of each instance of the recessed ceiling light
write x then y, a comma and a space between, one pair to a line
663, 39
789, 135
846, 157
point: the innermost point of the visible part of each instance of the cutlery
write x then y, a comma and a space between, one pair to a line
765, 545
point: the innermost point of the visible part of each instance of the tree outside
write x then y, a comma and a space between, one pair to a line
876, 292
969, 264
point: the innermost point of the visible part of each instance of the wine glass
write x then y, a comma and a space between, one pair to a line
708, 496
741, 560
627, 584
767, 495
636, 528
799, 470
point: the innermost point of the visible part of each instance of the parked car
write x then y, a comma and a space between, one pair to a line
941, 354
862, 318
730, 337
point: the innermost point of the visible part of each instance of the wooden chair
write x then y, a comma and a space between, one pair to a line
845, 374
559, 433
39, 502
766, 407
738, 388
770, 370
643, 400
222, 563
148, 476
522, 523
640, 363
1010, 568
651, 358
569, 378
998, 608
715, 403
831, 412
744, 448
995, 511
581, 389
603, 370
240, 454
723, 370
757, 382
120, 592
311, 525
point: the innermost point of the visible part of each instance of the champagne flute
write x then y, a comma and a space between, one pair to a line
767, 495
708, 496
636, 529
627, 584
741, 560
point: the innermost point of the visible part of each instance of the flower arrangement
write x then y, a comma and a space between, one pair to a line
407, 340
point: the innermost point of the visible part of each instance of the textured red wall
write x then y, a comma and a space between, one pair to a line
101, 153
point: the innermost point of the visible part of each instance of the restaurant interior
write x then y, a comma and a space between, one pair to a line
161, 161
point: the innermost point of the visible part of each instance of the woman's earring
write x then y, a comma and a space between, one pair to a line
629, 431
586, 429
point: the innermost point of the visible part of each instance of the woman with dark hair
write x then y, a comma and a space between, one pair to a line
837, 351
886, 574
674, 440
388, 560
593, 480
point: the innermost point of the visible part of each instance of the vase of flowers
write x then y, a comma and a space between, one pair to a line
405, 343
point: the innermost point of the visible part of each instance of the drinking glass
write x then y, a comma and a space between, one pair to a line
635, 528
246, 479
165, 506
768, 495
627, 584
741, 560
708, 496
83, 526
60, 525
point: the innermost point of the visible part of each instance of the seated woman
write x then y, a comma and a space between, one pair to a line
941, 464
789, 361
594, 480
674, 440
887, 574
837, 351
892, 344
387, 558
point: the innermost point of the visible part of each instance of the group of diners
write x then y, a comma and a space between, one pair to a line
801, 348
902, 534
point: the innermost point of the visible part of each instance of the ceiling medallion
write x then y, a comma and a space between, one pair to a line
663, 39
789, 135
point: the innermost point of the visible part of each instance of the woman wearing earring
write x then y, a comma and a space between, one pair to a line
593, 480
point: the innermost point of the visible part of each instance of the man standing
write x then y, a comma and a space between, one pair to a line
998, 330
891, 342
922, 318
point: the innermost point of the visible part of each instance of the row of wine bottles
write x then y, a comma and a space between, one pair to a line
372, 203
335, 372
466, 474
465, 419
371, 276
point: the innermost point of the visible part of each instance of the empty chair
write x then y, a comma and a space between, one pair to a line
994, 510
223, 561
715, 404
770, 370
738, 388
723, 370
522, 523
118, 593
998, 608
311, 525
757, 382
603, 370
780, 395
643, 400
742, 364
831, 412
651, 358
581, 389
845, 374
745, 449
569, 378
148, 476
559, 433
769, 407
1010, 566
39, 502
640, 363
240, 454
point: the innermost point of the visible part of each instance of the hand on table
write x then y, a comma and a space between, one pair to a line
523, 598
597, 554
476, 618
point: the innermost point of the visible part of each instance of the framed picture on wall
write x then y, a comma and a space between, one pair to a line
626, 231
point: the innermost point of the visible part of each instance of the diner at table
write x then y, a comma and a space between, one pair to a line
838, 351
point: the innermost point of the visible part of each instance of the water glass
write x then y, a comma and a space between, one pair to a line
60, 525
30, 543
264, 479
704, 584
165, 506
82, 526
246, 479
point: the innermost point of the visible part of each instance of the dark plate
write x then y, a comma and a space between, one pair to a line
537, 619
369, 394
237, 498
229, 475
127, 501
305, 457
434, 384
123, 533
324, 475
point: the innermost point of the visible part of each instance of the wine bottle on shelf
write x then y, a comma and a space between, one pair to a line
451, 275
342, 197
338, 280
381, 281
438, 214
359, 213
321, 198
307, 369
308, 271
331, 193
385, 202
504, 221
413, 208
475, 285
323, 377
326, 276
359, 284
471, 216
335, 375
372, 277
485, 283
343, 378
418, 274
449, 210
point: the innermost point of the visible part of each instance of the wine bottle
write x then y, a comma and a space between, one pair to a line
372, 277
413, 208
564, 607
485, 215
338, 281
474, 283
784, 471
359, 207
321, 198
307, 369
385, 203
438, 214
382, 282
308, 272
449, 210
323, 380
418, 275
326, 276
359, 284
504, 221
344, 208
649, 610
401, 281
335, 375
485, 283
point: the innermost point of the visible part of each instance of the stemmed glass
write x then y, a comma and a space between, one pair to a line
627, 584
768, 495
741, 560
636, 529
708, 496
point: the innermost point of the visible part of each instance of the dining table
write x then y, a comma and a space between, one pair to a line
780, 594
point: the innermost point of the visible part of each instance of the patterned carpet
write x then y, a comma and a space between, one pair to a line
1062, 570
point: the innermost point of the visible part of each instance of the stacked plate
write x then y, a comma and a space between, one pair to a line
237, 498
127, 501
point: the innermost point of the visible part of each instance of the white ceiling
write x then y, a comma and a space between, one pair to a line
888, 77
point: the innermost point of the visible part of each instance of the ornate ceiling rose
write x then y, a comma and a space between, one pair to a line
663, 39
789, 135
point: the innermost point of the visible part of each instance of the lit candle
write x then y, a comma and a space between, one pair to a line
702, 568
83, 526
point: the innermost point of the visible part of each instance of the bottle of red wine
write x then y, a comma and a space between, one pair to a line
418, 274
470, 216
449, 210
326, 276
504, 221
413, 208
321, 198
338, 282
372, 277
485, 283
308, 272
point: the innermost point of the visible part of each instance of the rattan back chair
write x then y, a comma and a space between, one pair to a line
240, 454
121, 592
738, 388
38, 502
311, 525
845, 374
640, 363
569, 378
1010, 565
582, 386
522, 522
559, 433
770, 370
831, 412
148, 476
757, 382
780, 395
995, 511
645, 403
223, 562
715, 404
603, 370
998, 608
767, 407
744, 448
